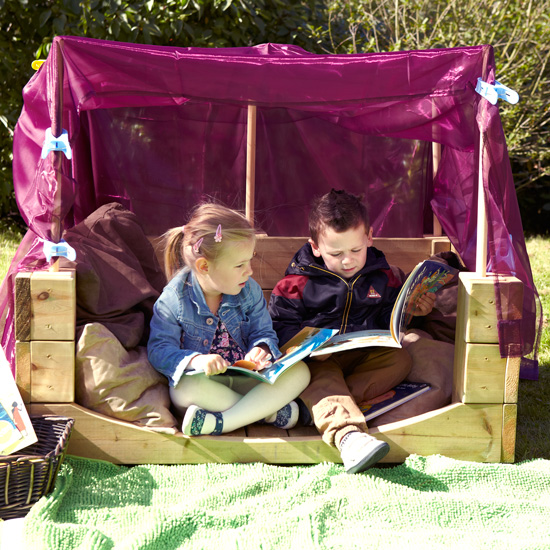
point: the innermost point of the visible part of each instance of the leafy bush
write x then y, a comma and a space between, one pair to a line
27, 29
519, 30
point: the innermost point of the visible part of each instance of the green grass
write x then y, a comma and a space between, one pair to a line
534, 397
9, 241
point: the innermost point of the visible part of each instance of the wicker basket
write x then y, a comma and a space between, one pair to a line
30, 474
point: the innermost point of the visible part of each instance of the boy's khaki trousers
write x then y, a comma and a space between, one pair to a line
347, 378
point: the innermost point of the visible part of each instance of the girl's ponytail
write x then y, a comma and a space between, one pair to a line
173, 251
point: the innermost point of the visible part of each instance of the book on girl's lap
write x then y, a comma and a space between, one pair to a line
16, 430
302, 347
427, 276
396, 396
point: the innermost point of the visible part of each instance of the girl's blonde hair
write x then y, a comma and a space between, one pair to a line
183, 245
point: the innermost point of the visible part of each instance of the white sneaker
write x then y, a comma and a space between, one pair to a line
360, 451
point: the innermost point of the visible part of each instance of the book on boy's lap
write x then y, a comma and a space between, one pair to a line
302, 348
402, 393
427, 276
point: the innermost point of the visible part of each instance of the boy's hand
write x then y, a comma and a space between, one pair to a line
260, 357
424, 304
210, 364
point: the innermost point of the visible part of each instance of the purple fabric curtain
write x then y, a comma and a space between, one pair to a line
158, 129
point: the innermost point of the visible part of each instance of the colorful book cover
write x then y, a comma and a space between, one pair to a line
427, 276
397, 396
16, 431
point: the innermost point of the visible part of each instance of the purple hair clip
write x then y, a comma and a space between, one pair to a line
197, 245
218, 235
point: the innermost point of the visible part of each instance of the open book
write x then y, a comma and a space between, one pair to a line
302, 347
396, 396
16, 431
427, 276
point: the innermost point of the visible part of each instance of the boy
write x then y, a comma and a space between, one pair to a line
338, 280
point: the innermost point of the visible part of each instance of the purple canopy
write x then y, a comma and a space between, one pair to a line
158, 129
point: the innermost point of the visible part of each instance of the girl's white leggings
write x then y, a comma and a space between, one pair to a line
243, 400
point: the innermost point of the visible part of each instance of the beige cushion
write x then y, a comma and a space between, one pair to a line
120, 383
432, 363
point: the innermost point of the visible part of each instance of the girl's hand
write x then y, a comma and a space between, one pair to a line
260, 357
424, 304
211, 364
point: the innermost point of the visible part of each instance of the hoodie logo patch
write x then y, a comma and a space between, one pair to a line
373, 293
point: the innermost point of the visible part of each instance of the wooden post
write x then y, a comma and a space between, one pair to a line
57, 129
481, 244
250, 163
436, 154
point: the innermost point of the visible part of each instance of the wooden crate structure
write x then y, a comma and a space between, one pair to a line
82, 76
478, 425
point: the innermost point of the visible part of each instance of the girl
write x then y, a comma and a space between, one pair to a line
210, 315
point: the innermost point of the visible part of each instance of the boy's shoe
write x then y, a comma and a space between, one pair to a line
286, 418
305, 415
360, 451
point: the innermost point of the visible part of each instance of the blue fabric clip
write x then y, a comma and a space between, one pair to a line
492, 92
62, 248
60, 143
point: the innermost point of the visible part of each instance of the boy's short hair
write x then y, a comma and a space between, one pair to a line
338, 210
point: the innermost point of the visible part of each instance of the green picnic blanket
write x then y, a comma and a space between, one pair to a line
427, 502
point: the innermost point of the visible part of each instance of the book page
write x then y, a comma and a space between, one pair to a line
357, 339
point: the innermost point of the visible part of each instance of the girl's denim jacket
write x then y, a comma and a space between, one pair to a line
183, 326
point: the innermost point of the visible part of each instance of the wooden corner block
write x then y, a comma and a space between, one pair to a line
53, 302
480, 374
52, 372
476, 307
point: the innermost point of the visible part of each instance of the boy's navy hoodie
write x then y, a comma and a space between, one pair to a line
311, 295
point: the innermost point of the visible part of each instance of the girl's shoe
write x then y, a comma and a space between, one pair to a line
193, 421
286, 418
